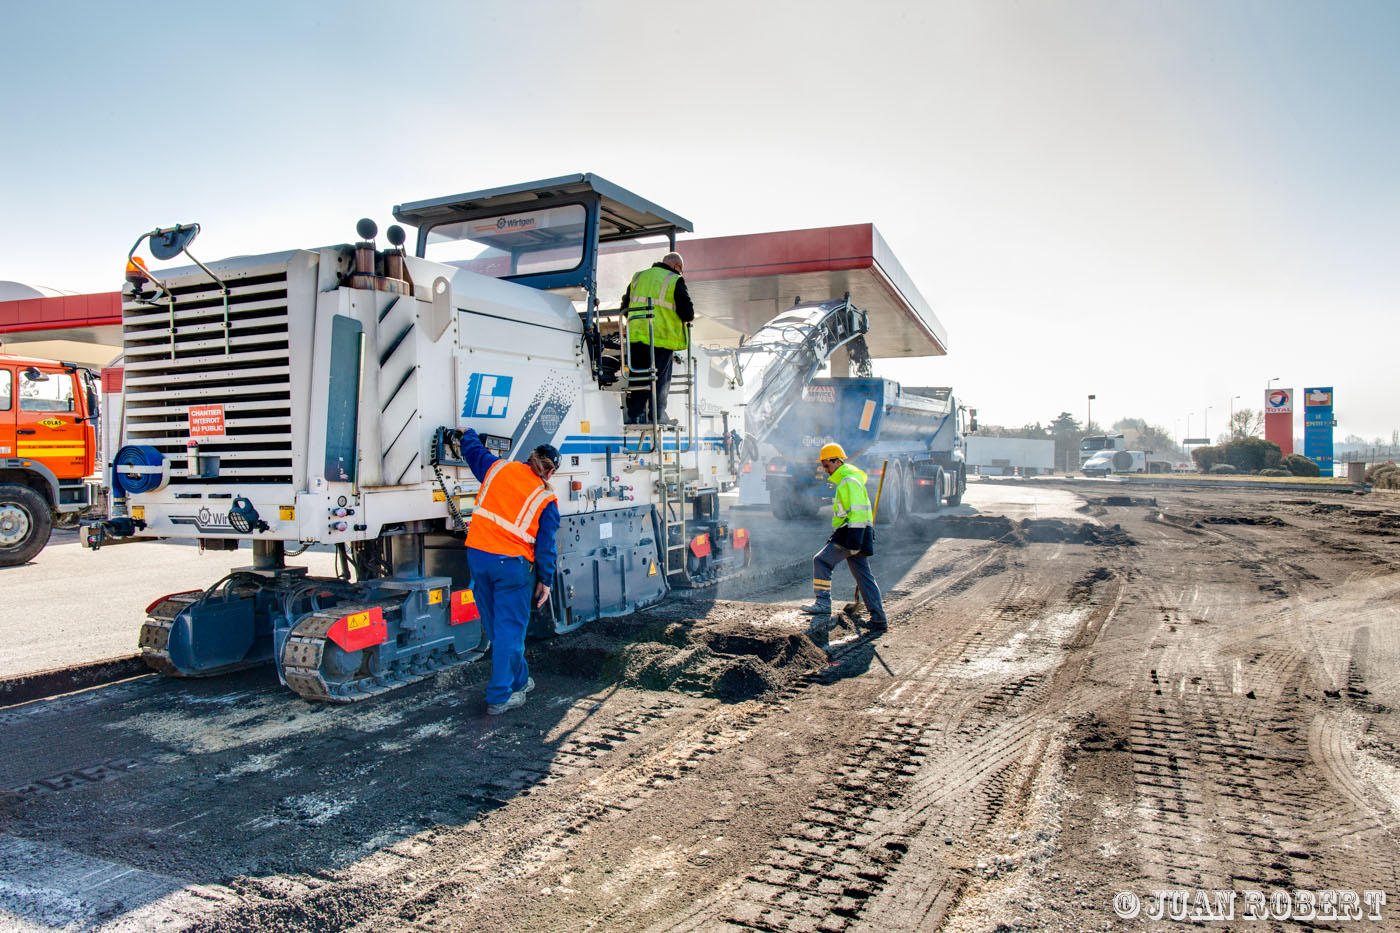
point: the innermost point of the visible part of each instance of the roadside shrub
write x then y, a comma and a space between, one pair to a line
1207, 457
1298, 465
1384, 476
1274, 471
1223, 469
1252, 454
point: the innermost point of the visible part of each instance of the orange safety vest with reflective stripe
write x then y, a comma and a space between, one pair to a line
508, 507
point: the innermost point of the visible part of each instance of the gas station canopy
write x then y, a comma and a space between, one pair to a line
78, 328
744, 281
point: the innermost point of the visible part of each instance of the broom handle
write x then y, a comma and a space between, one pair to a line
879, 489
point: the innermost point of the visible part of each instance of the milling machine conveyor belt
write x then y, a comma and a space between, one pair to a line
782, 357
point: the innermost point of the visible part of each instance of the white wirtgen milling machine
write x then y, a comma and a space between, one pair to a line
316, 397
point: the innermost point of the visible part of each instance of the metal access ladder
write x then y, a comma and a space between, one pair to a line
662, 440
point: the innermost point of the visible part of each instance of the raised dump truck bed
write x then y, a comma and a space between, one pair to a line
916, 430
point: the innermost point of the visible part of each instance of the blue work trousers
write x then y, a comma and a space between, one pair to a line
503, 587
827, 559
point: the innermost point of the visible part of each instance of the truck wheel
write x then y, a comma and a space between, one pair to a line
959, 486
929, 498
24, 524
892, 497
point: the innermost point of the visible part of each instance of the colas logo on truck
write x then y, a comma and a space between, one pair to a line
53, 422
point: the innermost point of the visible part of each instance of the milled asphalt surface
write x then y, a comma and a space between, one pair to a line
72, 606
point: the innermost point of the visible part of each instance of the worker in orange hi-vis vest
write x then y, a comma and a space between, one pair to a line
511, 552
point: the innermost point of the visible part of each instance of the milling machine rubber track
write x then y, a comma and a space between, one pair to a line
155, 641
305, 647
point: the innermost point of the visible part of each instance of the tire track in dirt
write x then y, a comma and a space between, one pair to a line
1220, 802
983, 744
830, 862
836, 858
1216, 755
992, 758
1216, 799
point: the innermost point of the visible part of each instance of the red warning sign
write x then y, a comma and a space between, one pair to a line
359, 630
206, 420
464, 607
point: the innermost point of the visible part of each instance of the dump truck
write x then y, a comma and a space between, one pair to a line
1095, 444
48, 451
917, 431
319, 396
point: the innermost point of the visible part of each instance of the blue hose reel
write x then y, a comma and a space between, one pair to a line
138, 468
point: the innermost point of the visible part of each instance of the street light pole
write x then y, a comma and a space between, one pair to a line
1205, 423
1231, 426
1089, 418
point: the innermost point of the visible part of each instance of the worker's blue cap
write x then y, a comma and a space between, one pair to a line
548, 452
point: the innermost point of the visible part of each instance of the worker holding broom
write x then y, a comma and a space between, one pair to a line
852, 539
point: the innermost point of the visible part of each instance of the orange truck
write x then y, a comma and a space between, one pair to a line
49, 468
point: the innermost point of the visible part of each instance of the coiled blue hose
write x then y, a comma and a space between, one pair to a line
140, 480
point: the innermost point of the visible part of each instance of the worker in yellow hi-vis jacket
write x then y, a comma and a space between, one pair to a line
852, 539
658, 310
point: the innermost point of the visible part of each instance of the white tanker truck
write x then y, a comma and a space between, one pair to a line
315, 397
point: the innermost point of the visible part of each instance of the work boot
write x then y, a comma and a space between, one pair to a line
529, 685
877, 625
817, 609
516, 699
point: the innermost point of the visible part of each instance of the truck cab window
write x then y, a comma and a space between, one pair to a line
49, 392
5, 389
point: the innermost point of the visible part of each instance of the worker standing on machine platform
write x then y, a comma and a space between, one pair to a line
852, 539
512, 528
663, 286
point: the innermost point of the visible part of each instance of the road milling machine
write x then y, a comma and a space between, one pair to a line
318, 397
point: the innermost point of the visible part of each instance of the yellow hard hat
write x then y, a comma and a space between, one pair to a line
832, 452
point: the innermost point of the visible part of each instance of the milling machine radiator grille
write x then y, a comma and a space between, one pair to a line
192, 355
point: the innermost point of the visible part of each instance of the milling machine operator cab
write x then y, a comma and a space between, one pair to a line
553, 235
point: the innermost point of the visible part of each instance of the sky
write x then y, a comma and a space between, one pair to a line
1164, 204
